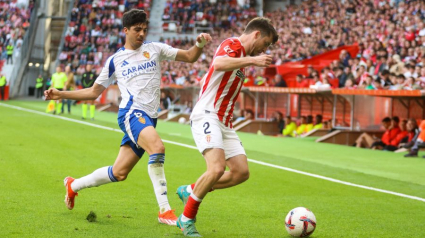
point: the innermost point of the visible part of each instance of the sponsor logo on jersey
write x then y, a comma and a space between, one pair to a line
139, 69
208, 138
228, 50
124, 63
240, 75
146, 54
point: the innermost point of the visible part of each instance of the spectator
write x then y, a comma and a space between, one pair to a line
165, 101
301, 82
3, 83
391, 131
318, 124
248, 114
290, 127
309, 123
404, 132
279, 81
418, 142
301, 128
399, 83
9, 51
39, 86
69, 86
278, 117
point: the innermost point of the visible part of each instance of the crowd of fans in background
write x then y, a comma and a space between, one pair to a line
14, 21
390, 35
95, 33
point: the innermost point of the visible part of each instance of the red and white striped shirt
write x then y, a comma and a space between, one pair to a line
220, 89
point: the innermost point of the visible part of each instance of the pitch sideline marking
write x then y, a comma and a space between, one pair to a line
250, 160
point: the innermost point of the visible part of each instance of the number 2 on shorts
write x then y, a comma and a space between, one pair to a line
206, 127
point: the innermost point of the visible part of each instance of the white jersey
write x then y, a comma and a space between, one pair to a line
138, 73
220, 89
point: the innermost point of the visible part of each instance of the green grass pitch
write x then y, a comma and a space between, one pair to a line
38, 151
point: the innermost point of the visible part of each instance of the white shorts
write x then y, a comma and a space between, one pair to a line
209, 132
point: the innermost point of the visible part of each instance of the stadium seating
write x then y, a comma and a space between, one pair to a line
94, 32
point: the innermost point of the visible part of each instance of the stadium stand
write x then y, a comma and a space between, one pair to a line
95, 32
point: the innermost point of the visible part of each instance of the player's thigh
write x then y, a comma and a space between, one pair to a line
238, 164
207, 134
215, 159
150, 141
231, 143
125, 162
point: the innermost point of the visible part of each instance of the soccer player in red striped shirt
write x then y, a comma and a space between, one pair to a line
211, 119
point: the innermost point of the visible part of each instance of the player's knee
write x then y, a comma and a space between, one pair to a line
120, 176
159, 147
218, 172
243, 176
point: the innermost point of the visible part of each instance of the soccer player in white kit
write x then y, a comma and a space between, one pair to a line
211, 119
136, 67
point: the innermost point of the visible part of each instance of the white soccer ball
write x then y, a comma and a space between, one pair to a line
182, 120
300, 222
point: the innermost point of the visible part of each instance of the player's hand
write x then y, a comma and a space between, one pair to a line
263, 60
52, 94
202, 39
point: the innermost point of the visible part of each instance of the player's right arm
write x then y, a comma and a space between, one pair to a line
230, 63
84, 94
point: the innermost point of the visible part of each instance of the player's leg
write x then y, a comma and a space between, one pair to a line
84, 109
92, 109
124, 163
216, 164
237, 174
141, 130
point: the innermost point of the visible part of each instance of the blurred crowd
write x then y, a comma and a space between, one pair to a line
390, 35
95, 33
14, 21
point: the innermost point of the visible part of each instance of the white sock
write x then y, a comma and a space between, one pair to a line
189, 188
157, 175
98, 177
185, 219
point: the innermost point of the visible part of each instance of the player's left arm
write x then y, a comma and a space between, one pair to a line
191, 55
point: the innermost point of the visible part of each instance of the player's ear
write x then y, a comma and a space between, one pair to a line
257, 35
126, 30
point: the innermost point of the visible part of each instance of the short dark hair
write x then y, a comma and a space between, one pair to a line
264, 25
309, 119
386, 119
134, 17
396, 119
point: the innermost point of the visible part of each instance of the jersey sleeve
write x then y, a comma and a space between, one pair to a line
166, 52
229, 47
107, 76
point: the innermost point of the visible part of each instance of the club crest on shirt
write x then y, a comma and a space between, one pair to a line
208, 138
146, 54
142, 120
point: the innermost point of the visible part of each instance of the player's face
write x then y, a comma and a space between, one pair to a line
136, 35
261, 44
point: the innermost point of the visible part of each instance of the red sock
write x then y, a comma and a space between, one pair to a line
193, 186
191, 208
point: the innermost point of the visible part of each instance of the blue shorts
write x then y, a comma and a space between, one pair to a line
132, 122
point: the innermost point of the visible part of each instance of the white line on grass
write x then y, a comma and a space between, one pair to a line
250, 160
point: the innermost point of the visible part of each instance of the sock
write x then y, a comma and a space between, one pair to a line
98, 177
190, 188
92, 110
84, 108
191, 208
157, 175
58, 108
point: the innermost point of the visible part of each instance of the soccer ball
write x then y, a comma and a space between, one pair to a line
300, 222
182, 120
